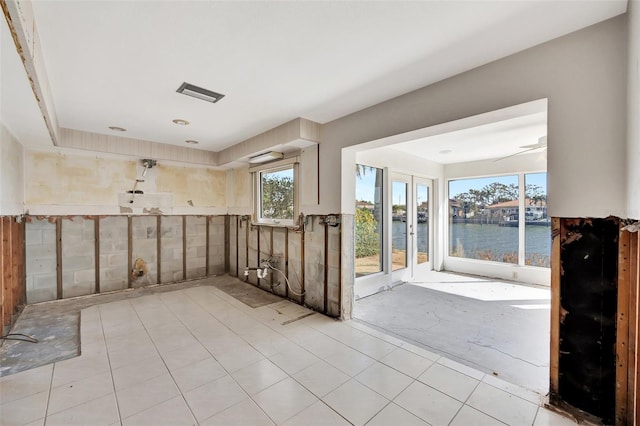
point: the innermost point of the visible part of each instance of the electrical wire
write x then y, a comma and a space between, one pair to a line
287, 280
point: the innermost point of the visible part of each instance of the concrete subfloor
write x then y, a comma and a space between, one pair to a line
496, 327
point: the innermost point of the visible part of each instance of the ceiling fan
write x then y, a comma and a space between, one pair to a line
541, 144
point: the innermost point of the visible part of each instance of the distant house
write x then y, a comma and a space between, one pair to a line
365, 205
455, 208
508, 210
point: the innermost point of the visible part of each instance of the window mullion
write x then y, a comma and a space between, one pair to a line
522, 195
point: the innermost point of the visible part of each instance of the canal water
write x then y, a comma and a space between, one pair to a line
488, 242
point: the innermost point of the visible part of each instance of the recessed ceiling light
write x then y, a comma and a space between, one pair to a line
181, 122
191, 141
446, 151
199, 93
117, 129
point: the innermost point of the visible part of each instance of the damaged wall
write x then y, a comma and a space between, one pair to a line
309, 256
12, 177
63, 182
68, 256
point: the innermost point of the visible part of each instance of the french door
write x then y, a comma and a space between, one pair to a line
411, 221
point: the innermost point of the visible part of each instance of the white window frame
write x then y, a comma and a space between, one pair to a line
276, 166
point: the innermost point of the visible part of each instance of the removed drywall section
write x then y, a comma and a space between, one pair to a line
113, 248
78, 257
583, 344
310, 257
217, 245
12, 179
195, 189
171, 248
196, 243
144, 248
40, 240
12, 294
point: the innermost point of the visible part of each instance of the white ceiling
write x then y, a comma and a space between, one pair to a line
486, 142
119, 63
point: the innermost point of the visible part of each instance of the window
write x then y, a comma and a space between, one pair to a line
537, 235
484, 219
276, 195
368, 220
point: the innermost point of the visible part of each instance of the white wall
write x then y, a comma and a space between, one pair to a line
11, 174
633, 121
583, 76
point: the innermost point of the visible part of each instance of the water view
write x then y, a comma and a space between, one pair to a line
485, 242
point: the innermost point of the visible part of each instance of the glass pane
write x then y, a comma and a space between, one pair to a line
277, 194
537, 232
368, 220
399, 228
483, 218
422, 222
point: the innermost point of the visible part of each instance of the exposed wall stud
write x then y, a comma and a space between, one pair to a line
326, 267
622, 329
5, 276
633, 405
237, 246
59, 294
184, 247
286, 260
555, 311
159, 247
96, 235
129, 250
302, 265
340, 270
206, 246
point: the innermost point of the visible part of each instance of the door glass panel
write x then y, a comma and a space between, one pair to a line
422, 222
399, 227
368, 220
537, 233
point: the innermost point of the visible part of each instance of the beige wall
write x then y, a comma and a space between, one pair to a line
67, 182
583, 76
12, 174
633, 122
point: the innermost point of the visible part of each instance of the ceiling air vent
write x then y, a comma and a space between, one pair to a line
199, 92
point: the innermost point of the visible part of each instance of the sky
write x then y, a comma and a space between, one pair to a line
366, 182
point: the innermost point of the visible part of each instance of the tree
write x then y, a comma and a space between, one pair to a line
277, 197
367, 239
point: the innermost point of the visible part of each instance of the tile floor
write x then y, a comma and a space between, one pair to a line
199, 356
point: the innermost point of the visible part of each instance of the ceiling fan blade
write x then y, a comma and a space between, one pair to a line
518, 153
532, 146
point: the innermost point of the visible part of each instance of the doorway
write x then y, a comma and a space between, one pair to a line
410, 227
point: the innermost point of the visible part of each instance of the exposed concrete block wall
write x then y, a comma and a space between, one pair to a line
217, 245
78, 256
314, 259
40, 241
114, 248
144, 245
294, 268
159, 241
171, 251
311, 258
196, 242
